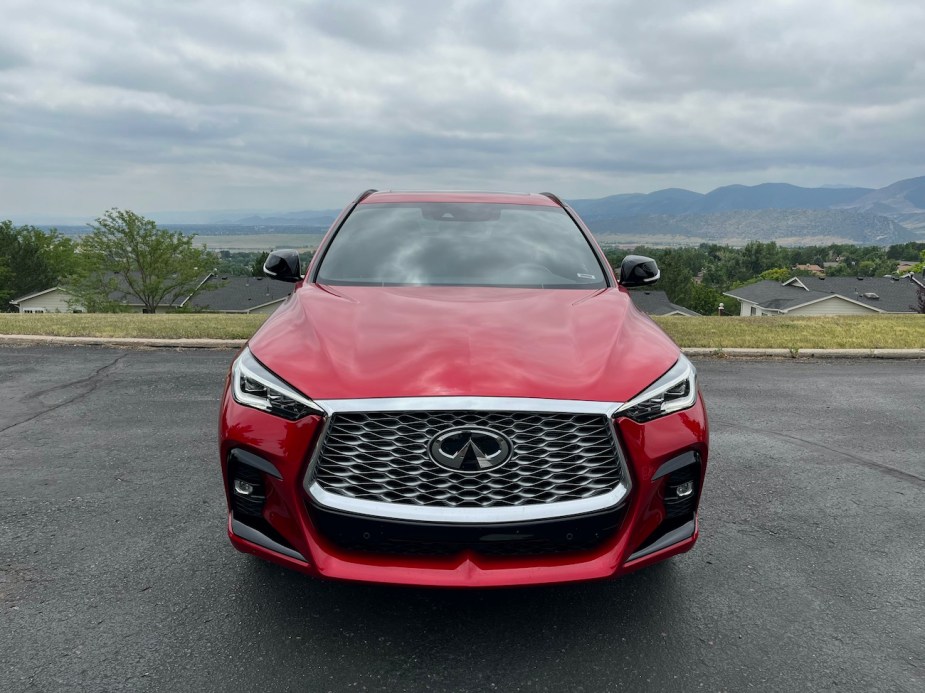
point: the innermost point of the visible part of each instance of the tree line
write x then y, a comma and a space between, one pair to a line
696, 277
125, 254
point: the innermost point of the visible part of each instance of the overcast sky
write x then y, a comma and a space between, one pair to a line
244, 105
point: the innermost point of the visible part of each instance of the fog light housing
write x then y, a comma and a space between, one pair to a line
248, 490
244, 488
681, 492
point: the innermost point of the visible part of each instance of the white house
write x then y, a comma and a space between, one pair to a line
53, 300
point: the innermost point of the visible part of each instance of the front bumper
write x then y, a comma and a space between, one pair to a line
296, 531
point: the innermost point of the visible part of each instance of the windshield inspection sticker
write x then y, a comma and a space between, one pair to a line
586, 276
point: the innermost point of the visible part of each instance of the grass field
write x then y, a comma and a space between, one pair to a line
261, 241
188, 325
854, 332
841, 332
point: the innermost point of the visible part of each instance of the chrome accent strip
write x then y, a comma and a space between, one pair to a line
556, 406
682, 370
247, 364
427, 513
316, 452
256, 537
675, 536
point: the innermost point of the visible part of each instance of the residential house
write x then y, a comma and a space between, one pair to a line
53, 300
218, 294
239, 295
657, 303
57, 299
828, 296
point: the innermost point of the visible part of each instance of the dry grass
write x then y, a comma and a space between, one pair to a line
837, 332
848, 332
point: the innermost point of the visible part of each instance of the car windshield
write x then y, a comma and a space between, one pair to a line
464, 244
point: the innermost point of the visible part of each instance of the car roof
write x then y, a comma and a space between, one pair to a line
506, 198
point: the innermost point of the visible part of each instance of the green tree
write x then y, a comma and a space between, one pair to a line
905, 251
919, 305
778, 274
257, 268
677, 280
705, 300
127, 253
31, 260
919, 268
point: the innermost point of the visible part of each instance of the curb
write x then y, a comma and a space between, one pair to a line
703, 352
734, 352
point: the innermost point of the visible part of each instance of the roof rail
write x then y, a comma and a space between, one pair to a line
554, 198
363, 195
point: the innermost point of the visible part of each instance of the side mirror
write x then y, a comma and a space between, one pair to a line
638, 270
283, 265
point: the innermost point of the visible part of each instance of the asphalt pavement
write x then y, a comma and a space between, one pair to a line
115, 572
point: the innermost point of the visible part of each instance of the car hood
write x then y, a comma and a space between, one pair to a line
360, 342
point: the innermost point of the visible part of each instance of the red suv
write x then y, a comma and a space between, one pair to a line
460, 393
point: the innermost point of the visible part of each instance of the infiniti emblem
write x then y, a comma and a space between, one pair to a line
468, 449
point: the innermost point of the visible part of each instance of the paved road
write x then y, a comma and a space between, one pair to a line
115, 573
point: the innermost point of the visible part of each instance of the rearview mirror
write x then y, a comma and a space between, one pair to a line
638, 270
283, 265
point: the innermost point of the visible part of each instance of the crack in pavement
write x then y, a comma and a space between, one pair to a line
95, 380
862, 461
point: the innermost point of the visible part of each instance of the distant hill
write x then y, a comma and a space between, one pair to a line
903, 201
731, 214
771, 211
786, 226
730, 197
324, 217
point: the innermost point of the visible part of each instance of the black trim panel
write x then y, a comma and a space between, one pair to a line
255, 537
252, 460
675, 536
404, 537
676, 463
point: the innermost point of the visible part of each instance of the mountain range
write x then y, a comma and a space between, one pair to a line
771, 211
731, 214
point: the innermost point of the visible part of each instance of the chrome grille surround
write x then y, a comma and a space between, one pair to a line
372, 460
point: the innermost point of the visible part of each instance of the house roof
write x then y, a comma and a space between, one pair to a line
17, 301
657, 303
238, 294
892, 296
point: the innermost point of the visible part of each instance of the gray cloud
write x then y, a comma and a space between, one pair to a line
210, 104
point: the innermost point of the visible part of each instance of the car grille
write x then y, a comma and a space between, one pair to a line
383, 457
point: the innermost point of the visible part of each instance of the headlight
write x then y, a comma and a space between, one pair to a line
674, 391
255, 386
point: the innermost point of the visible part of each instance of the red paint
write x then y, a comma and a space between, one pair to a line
367, 342
356, 342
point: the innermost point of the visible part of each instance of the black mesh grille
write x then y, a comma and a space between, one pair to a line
383, 456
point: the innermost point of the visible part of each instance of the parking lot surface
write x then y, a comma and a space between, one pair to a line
116, 574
